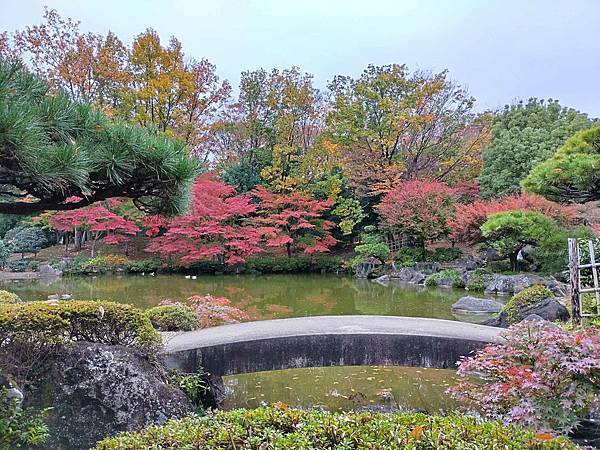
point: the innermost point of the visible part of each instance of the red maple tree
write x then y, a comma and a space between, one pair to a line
419, 208
97, 220
466, 223
294, 221
218, 226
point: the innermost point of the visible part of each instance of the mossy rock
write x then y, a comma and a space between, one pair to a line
478, 280
524, 299
446, 278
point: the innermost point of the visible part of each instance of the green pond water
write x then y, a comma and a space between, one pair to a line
281, 296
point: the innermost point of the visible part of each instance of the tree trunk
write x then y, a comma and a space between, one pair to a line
288, 247
77, 239
513, 260
66, 238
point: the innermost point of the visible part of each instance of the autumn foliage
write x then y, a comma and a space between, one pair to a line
212, 311
420, 208
467, 221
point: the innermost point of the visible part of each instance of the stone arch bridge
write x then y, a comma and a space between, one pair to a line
325, 341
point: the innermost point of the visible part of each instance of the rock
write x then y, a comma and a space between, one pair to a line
470, 262
48, 271
383, 279
513, 284
427, 267
364, 269
476, 305
408, 275
54, 297
548, 309
492, 255
66, 297
97, 390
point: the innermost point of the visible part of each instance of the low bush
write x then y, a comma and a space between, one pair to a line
455, 277
446, 254
173, 318
540, 377
210, 310
9, 297
479, 280
408, 255
527, 297
294, 264
194, 385
32, 332
284, 428
144, 265
106, 263
24, 265
19, 427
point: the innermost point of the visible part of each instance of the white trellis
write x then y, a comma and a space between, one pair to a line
575, 268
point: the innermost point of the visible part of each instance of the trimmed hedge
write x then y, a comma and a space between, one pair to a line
281, 428
294, 264
7, 297
527, 297
32, 332
173, 318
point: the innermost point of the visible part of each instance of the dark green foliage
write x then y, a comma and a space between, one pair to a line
408, 255
524, 135
4, 254
144, 265
527, 297
479, 280
571, 174
52, 149
24, 265
283, 428
509, 232
446, 254
243, 175
372, 245
31, 333
455, 276
173, 318
19, 427
8, 221
25, 239
294, 264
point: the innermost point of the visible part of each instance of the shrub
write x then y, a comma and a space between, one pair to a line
32, 332
24, 239
4, 254
527, 297
105, 263
24, 265
479, 280
211, 311
446, 254
455, 276
194, 385
173, 318
9, 297
282, 428
19, 427
294, 264
539, 377
144, 265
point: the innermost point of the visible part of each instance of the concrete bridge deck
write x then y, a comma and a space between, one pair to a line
326, 341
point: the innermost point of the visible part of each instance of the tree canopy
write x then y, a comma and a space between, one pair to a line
54, 149
571, 174
523, 135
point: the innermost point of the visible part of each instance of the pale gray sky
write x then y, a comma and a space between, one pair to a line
501, 50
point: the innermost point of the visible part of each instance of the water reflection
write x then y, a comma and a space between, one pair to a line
264, 296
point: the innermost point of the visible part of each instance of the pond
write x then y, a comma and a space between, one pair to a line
263, 296
282, 296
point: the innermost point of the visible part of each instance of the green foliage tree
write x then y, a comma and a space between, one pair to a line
59, 154
509, 232
26, 240
523, 135
372, 245
571, 174
4, 254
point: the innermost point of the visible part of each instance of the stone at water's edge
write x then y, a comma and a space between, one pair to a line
97, 390
548, 309
513, 284
408, 275
47, 271
477, 305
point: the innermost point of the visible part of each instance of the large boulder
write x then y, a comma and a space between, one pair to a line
549, 309
470, 262
476, 305
47, 271
513, 284
97, 390
408, 275
365, 269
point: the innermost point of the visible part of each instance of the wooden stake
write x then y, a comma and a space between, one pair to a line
574, 277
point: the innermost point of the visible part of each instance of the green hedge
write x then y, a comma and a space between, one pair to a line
298, 264
173, 318
282, 428
32, 332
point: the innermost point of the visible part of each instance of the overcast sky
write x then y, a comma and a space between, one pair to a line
501, 50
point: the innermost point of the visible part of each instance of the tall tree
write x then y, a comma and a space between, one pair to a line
523, 135
392, 125
53, 149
